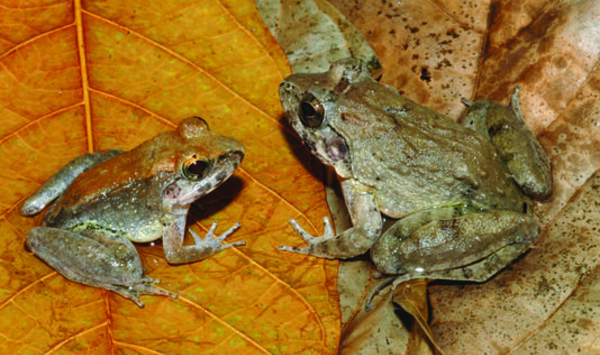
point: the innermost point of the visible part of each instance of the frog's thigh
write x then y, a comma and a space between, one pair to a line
90, 256
453, 243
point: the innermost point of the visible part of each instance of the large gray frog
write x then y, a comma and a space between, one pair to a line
462, 192
104, 200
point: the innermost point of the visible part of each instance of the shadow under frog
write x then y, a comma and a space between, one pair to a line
105, 200
462, 193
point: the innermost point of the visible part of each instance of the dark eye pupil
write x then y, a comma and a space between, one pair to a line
197, 167
311, 111
308, 109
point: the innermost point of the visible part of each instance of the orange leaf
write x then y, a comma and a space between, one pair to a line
91, 75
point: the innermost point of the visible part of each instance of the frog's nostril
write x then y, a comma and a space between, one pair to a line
235, 157
285, 87
238, 156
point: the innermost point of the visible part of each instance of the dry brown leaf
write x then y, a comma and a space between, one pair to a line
377, 331
429, 51
411, 296
92, 75
313, 34
435, 53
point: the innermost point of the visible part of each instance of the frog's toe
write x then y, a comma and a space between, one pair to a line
303, 250
216, 243
378, 290
217, 247
235, 244
142, 289
466, 102
301, 232
328, 233
394, 281
148, 280
137, 301
134, 292
229, 232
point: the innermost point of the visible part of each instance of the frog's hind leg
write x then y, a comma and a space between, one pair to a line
471, 247
477, 272
62, 179
96, 257
453, 243
515, 143
385, 251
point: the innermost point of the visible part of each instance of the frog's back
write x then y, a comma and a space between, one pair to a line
123, 194
430, 161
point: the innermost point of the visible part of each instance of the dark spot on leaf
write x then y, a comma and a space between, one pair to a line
452, 33
412, 29
425, 75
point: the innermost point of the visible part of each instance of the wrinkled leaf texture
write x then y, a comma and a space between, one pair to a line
81, 76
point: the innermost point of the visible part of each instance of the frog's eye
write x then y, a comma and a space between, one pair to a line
311, 111
195, 169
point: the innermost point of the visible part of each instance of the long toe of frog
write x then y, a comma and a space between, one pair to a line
297, 250
133, 293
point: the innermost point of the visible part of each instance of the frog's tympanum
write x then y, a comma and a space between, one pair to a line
105, 200
461, 192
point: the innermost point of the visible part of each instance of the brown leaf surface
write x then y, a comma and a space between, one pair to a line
378, 331
313, 34
435, 53
92, 75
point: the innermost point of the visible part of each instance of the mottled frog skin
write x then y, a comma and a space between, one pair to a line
461, 192
105, 200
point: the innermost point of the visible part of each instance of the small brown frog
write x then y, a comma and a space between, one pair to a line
461, 192
105, 200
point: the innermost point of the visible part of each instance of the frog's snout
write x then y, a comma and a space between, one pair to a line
231, 159
237, 151
237, 156
285, 87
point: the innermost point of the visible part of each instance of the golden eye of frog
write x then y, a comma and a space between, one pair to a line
461, 193
105, 200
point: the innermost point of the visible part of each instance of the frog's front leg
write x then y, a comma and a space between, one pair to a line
63, 178
515, 143
96, 257
367, 224
174, 233
428, 244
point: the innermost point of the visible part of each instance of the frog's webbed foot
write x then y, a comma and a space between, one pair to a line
308, 250
134, 292
216, 244
177, 253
